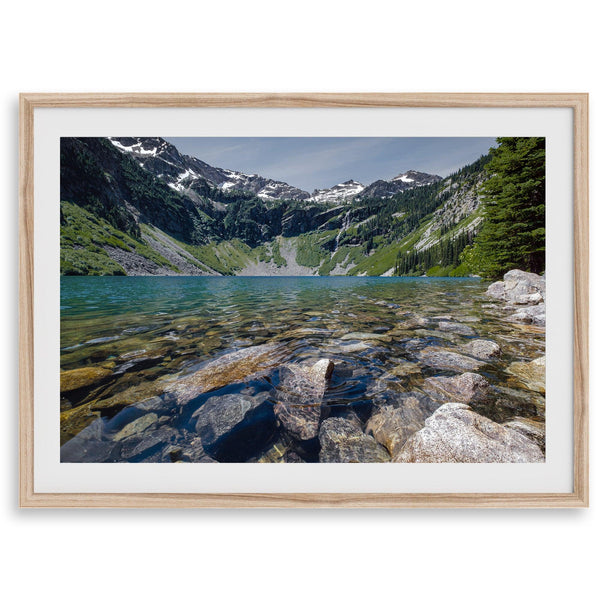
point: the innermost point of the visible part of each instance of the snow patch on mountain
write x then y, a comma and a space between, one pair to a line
338, 193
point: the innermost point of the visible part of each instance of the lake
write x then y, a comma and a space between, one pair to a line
127, 341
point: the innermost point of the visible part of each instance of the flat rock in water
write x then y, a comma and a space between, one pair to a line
300, 395
342, 441
77, 379
484, 349
456, 328
235, 425
465, 388
140, 425
381, 337
456, 434
531, 374
392, 426
409, 321
447, 360
194, 452
230, 368
136, 445
405, 368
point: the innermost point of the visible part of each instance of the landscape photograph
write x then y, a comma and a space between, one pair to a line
302, 299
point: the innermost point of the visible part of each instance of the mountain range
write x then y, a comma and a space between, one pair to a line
137, 206
188, 175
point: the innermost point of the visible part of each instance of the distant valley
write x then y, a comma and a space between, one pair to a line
137, 206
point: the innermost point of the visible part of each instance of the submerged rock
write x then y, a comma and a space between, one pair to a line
299, 397
531, 374
456, 328
393, 425
89, 445
234, 426
140, 425
76, 382
141, 443
342, 441
359, 336
484, 349
456, 434
409, 321
405, 368
447, 360
230, 368
465, 388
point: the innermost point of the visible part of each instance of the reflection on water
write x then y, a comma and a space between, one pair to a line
135, 335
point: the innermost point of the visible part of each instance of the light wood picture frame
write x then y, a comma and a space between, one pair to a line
31, 103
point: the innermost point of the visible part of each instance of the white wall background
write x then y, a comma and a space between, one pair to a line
279, 46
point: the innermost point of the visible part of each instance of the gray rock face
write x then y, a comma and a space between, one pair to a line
531, 374
484, 349
342, 441
392, 426
234, 425
456, 434
465, 388
300, 394
534, 430
496, 290
518, 284
447, 360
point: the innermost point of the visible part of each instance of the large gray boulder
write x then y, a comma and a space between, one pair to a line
456, 434
300, 395
534, 430
519, 287
342, 441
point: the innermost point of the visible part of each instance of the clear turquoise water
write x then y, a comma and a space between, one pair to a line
178, 323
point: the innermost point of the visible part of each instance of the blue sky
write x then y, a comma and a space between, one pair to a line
313, 162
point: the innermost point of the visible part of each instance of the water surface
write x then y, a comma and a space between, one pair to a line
150, 330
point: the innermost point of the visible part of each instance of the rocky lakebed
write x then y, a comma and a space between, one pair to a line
302, 369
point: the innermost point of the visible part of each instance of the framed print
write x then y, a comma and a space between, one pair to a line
303, 300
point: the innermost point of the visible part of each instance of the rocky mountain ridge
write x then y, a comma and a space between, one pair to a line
190, 175
138, 207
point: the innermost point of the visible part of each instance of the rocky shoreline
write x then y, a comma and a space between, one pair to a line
438, 413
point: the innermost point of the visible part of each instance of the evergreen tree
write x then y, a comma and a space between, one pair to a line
513, 233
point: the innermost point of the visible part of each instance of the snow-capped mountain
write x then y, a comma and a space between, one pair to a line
187, 174
338, 193
411, 179
191, 176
